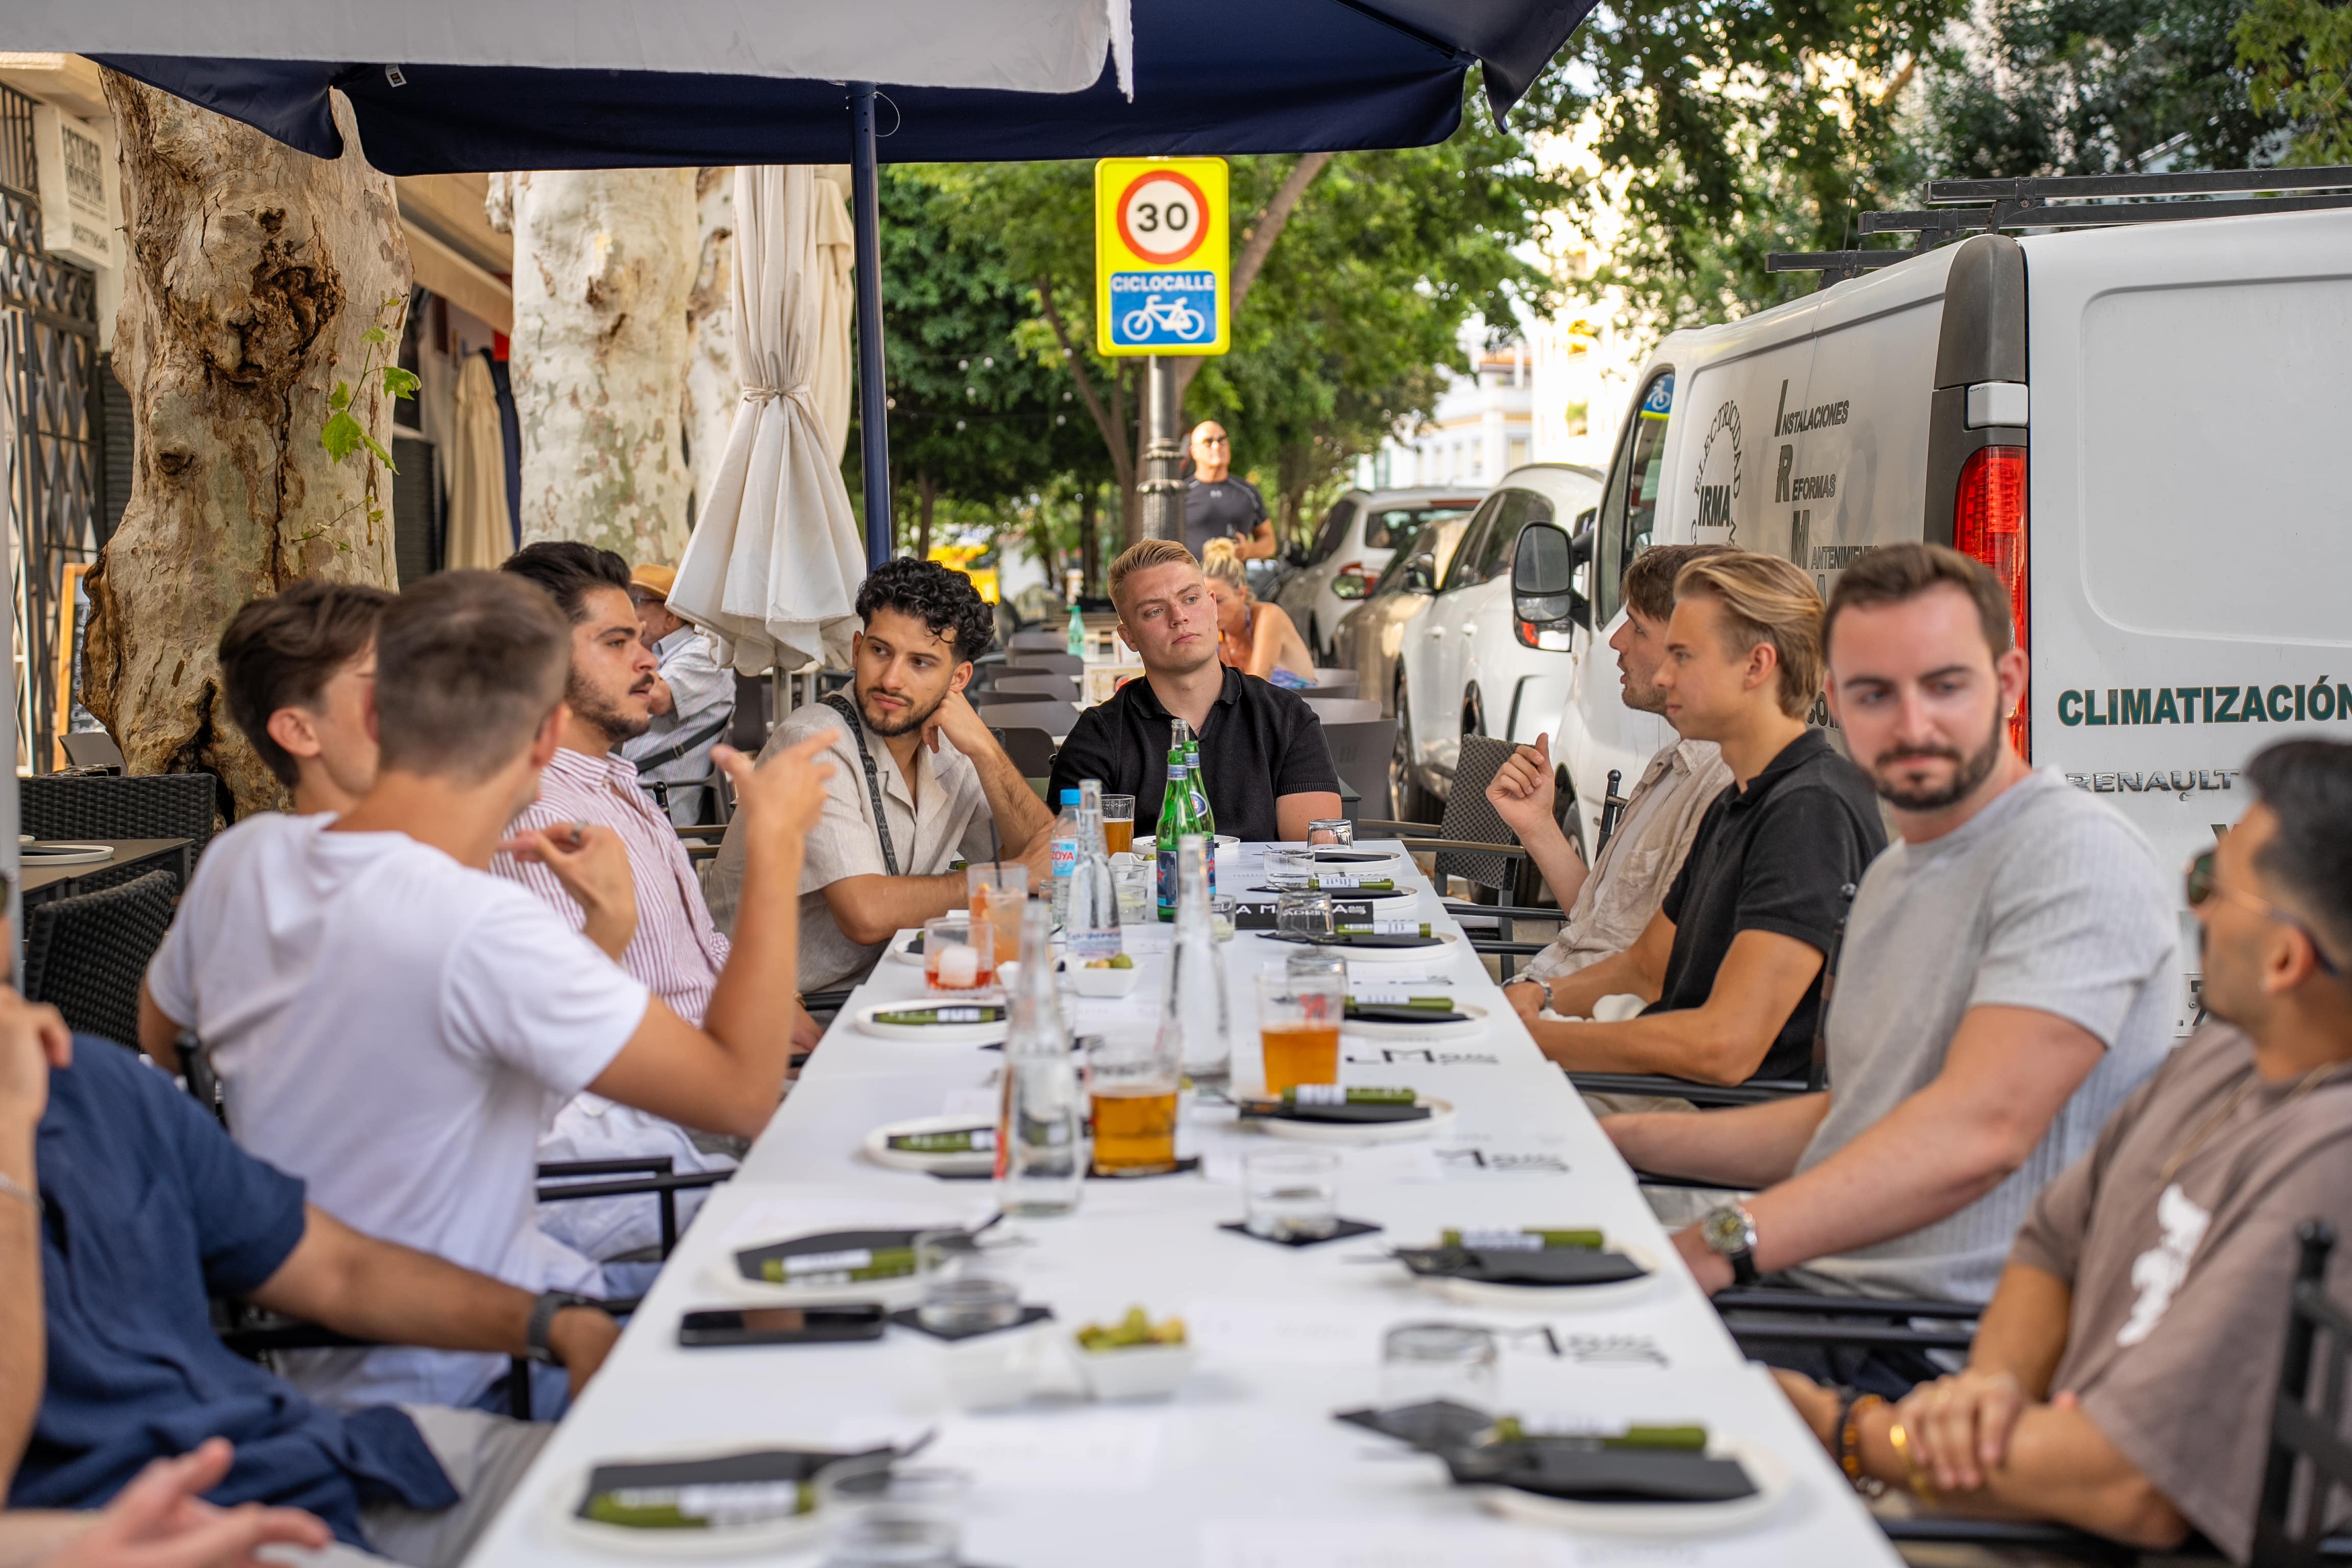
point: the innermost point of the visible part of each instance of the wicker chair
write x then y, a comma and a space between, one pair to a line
87, 954
96, 805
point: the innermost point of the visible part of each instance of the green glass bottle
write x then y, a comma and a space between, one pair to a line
1175, 813
1205, 818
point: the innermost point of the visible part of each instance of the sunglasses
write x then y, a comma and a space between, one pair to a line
2199, 886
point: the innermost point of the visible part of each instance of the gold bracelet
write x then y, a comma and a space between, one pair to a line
1914, 1474
1849, 1447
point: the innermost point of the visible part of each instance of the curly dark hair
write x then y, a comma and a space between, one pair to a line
569, 571
940, 597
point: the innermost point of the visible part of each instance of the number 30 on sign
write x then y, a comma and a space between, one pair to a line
1161, 256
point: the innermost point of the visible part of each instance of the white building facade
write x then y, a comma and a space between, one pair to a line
1482, 427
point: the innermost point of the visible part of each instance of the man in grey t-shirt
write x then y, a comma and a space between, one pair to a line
2008, 979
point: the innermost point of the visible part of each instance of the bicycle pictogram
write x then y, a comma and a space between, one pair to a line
1167, 316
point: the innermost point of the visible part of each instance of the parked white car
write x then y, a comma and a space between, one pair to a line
1352, 546
1468, 667
2159, 483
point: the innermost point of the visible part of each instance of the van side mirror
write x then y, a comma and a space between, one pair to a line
1543, 576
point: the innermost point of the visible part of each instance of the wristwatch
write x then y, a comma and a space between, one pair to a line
1730, 1233
542, 1320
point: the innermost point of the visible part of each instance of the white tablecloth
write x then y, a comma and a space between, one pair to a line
1245, 1468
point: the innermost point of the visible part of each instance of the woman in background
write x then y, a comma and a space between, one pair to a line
1257, 639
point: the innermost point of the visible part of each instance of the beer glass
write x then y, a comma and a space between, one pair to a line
1299, 1028
1133, 1083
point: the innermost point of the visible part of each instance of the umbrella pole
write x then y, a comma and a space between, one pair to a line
873, 405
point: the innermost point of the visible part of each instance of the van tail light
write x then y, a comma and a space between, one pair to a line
1989, 526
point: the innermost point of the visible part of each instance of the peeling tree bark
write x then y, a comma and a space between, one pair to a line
713, 390
605, 263
254, 273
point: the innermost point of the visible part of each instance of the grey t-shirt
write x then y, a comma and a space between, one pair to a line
2046, 898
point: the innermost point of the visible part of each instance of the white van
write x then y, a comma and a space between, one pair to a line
2146, 431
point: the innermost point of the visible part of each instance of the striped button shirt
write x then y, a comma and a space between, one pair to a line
677, 952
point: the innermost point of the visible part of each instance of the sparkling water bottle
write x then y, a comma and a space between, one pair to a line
1195, 1018
1041, 1124
1090, 905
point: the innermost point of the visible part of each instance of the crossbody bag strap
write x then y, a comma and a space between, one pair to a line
840, 705
678, 749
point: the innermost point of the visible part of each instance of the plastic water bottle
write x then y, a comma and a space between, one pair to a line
1091, 907
1064, 847
1077, 638
1041, 1125
1195, 1016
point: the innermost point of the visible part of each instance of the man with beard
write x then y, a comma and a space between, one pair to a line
2008, 979
1609, 905
648, 914
919, 778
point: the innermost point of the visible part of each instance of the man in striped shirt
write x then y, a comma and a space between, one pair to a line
654, 923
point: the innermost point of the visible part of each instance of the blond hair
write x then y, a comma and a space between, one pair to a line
1221, 560
1765, 599
1141, 557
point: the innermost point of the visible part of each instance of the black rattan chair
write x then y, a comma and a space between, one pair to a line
2310, 1466
98, 805
1471, 841
1360, 753
85, 955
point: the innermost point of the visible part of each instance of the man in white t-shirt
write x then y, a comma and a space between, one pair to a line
393, 1024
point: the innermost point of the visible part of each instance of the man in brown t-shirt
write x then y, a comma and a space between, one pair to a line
2123, 1377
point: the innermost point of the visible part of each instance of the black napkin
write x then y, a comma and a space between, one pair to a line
1183, 1167
1551, 1266
910, 1318
1367, 1111
1439, 1424
1581, 1470
1380, 1013
1339, 1232
1361, 938
1350, 858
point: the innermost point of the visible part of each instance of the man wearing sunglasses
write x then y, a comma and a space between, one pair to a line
2008, 977
2123, 1377
1219, 503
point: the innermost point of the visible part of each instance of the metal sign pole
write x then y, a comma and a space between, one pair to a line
872, 403
1163, 454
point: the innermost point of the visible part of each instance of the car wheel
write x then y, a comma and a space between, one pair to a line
1407, 798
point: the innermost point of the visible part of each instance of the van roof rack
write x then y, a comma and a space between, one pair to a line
1963, 207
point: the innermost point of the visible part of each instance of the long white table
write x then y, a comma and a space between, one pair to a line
1245, 1468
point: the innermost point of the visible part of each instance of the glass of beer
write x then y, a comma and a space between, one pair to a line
1299, 1028
959, 952
1118, 823
1132, 1082
996, 891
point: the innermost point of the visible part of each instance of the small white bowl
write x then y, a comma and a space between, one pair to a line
1139, 1371
1086, 982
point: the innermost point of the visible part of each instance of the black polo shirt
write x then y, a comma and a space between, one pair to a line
1773, 857
1219, 510
1259, 744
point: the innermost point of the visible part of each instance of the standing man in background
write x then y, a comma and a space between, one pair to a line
693, 701
1219, 505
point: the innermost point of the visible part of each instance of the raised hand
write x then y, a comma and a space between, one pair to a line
783, 797
593, 867
961, 722
1521, 791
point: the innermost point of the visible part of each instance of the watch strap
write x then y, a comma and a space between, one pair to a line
1743, 1267
542, 1322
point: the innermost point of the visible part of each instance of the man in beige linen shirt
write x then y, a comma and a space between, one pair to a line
939, 775
1608, 906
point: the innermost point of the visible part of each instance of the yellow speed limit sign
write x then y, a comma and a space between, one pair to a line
1163, 261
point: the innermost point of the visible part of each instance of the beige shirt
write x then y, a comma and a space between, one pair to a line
1638, 864
942, 818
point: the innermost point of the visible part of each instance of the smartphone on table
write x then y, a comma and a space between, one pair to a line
782, 1325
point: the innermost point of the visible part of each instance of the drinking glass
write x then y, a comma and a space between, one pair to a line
1220, 916
959, 952
1137, 893
1299, 1028
1133, 1083
883, 1516
996, 891
1292, 1193
1331, 833
966, 1286
1288, 866
1304, 916
1118, 823
1421, 1364
1315, 962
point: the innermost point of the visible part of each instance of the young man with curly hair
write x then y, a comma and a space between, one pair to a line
917, 778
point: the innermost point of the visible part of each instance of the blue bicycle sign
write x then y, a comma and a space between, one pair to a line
1152, 309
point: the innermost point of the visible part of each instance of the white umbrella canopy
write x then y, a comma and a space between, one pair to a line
1033, 45
772, 568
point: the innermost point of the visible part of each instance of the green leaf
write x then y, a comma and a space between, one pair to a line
341, 398
381, 455
399, 382
341, 435
374, 334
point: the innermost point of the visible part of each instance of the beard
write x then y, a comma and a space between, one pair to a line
592, 708
1967, 773
1643, 697
914, 719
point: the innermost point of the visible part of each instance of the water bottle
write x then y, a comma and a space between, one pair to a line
1077, 637
1195, 1019
1041, 1124
1064, 847
1091, 907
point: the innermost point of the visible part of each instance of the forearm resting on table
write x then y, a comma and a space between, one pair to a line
874, 909
2059, 1467
1722, 1041
1748, 1147
1638, 971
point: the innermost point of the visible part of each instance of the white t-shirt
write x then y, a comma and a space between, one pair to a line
395, 1029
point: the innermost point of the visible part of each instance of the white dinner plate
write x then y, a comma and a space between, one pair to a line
1550, 1298
1770, 1475
57, 852
1344, 894
801, 1532
1472, 1023
1358, 1134
877, 1148
980, 1034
